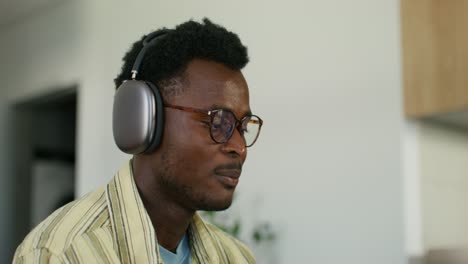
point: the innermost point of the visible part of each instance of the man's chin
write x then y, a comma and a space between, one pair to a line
219, 205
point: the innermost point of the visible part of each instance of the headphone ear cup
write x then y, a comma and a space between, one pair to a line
138, 117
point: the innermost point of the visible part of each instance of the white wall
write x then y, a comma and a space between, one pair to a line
444, 170
435, 158
325, 77
46, 49
411, 159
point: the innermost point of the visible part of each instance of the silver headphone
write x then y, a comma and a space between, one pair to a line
138, 111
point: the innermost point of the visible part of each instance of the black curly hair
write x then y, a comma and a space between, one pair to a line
166, 61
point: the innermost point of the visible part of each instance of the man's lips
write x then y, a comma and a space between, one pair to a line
229, 174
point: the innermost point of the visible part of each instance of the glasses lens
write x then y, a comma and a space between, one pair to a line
224, 122
222, 126
251, 129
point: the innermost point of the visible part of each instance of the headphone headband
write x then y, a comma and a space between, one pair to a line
149, 40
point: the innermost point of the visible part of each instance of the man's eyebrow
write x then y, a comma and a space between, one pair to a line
215, 106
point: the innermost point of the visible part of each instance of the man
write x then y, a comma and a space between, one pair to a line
148, 211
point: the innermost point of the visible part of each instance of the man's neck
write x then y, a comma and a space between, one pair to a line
170, 220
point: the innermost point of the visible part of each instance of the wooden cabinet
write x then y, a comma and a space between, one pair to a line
435, 57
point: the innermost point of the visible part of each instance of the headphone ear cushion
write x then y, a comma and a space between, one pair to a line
159, 119
138, 117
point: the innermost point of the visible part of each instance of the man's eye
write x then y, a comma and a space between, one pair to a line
205, 123
216, 125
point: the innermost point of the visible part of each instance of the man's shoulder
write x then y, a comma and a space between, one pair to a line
230, 243
58, 231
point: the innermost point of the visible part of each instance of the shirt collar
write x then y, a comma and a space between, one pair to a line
132, 228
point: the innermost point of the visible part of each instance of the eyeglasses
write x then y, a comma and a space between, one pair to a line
223, 122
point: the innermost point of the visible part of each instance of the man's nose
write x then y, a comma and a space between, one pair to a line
235, 145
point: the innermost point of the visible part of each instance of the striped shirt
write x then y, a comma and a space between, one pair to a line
111, 225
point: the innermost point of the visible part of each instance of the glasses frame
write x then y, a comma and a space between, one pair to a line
211, 113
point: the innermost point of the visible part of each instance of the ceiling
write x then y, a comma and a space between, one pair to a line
12, 11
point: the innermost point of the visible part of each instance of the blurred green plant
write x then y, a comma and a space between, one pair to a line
233, 229
262, 232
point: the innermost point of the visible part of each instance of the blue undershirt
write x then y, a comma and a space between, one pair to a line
182, 255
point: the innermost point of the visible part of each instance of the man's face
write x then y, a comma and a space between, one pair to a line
198, 173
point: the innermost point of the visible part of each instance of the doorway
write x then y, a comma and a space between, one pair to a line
44, 130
